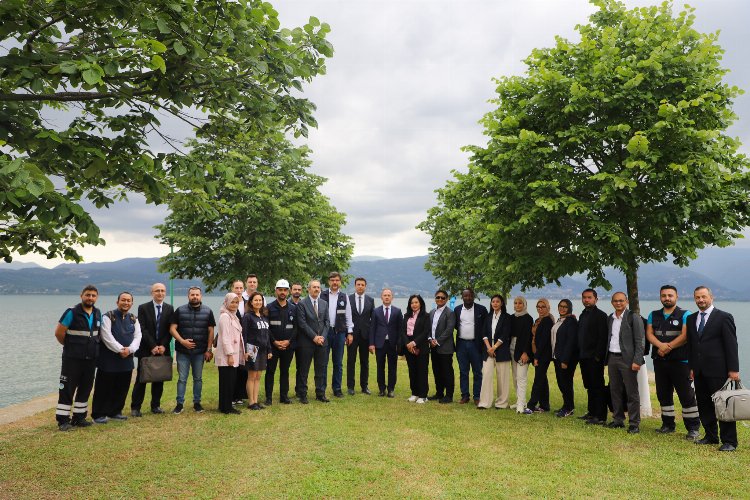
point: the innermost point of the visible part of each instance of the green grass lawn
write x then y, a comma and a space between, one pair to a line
362, 446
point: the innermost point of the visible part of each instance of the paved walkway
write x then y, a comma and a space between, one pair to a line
26, 409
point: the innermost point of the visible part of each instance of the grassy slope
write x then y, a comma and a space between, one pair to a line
362, 446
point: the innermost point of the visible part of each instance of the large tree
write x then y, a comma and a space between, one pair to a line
267, 217
608, 151
84, 84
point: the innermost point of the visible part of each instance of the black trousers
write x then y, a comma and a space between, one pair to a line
227, 379
418, 370
565, 384
282, 359
139, 392
306, 356
704, 388
592, 372
442, 372
358, 346
540, 389
240, 385
110, 391
671, 376
388, 352
76, 381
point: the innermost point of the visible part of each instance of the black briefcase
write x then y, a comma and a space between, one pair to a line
155, 369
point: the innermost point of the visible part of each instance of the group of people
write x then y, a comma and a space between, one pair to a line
693, 354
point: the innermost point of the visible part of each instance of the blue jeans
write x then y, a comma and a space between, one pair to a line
184, 362
337, 342
468, 355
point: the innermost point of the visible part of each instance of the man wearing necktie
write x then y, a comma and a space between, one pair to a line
384, 339
312, 342
713, 357
362, 307
154, 318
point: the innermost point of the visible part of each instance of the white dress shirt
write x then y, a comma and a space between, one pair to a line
466, 328
698, 317
435, 319
614, 341
333, 304
109, 339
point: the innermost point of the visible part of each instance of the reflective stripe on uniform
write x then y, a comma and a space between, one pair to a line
289, 327
82, 333
61, 406
667, 411
691, 412
275, 323
62, 413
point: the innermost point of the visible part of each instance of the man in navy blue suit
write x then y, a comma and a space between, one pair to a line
384, 337
470, 319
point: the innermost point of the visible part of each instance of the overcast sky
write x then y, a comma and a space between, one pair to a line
404, 91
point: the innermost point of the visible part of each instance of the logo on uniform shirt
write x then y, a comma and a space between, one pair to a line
675, 322
62, 386
342, 303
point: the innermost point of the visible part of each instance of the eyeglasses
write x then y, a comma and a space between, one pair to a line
441, 298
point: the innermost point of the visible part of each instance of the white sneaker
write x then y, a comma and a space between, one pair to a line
421, 401
413, 398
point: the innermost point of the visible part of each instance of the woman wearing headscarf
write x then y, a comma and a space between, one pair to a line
520, 350
496, 355
564, 340
415, 332
541, 347
230, 352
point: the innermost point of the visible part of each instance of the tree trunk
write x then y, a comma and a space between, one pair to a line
631, 280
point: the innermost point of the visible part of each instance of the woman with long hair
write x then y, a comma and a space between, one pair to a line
496, 355
541, 347
520, 350
230, 351
257, 339
564, 343
415, 333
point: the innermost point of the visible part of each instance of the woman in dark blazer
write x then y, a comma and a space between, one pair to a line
541, 346
496, 355
564, 337
255, 332
415, 334
520, 351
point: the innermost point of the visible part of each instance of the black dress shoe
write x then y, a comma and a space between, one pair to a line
446, 400
391, 394
706, 440
366, 391
322, 399
338, 394
585, 416
665, 429
633, 429
157, 410
615, 425
350, 392
692, 435
136, 413
434, 397
595, 421
303, 400
381, 392
269, 402
285, 401
234, 411
727, 447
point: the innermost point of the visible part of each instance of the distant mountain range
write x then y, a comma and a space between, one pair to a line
724, 270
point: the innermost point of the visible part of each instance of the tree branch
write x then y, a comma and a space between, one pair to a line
30, 39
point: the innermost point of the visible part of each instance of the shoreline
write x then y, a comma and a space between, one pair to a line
17, 411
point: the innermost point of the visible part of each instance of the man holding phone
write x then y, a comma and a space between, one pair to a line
193, 330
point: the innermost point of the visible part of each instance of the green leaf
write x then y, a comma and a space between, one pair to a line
157, 62
91, 76
163, 26
179, 48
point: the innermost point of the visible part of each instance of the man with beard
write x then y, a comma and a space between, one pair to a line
282, 320
193, 330
667, 332
592, 341
296, 293
340, 329
362, 306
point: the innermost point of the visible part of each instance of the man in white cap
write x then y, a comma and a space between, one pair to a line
282, 316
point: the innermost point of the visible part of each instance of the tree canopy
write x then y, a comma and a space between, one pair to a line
268, 218
84, 86
608, 151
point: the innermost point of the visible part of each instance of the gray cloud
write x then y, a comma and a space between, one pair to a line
403, 94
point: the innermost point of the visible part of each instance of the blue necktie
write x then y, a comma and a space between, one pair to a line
702, 325
158, 317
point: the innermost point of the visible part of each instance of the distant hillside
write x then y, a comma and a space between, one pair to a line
724, 270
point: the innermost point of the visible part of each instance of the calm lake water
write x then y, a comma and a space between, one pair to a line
30, 358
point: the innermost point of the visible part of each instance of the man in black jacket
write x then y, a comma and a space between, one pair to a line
362, 306
713, 357
154, 317
283, 328
592, 342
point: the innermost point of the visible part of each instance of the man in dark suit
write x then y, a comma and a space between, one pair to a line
624, 358
384, 339
713, 357
362, 306
592, 343
312, 342
154, 318
470, 319
443, 322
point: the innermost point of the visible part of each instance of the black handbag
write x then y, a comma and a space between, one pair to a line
155, 369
